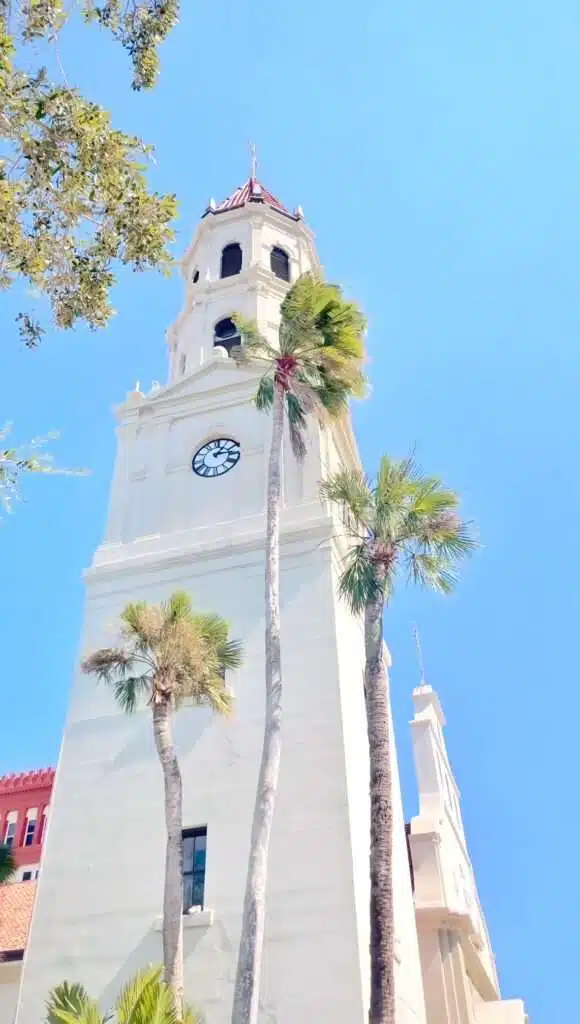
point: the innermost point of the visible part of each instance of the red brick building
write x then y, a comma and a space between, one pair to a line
24, 802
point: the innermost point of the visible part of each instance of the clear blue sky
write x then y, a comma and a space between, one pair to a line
435, 149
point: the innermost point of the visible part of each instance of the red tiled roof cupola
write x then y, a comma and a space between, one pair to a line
251, 192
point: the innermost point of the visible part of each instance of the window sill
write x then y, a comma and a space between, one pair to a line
193, 919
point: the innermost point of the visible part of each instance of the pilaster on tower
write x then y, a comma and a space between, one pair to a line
245, 254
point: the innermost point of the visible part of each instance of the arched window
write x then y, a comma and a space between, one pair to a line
195, 276
280, 264
182, 363
231, 260
226, 334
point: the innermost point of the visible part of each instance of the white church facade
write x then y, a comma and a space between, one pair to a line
187, 511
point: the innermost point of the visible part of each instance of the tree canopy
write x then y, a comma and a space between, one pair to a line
74, 199
399, 523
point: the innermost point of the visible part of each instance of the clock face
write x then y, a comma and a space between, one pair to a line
216, 457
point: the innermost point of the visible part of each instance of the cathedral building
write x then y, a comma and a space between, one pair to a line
187, 511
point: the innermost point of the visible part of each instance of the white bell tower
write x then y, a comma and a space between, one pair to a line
242, 257
170, 526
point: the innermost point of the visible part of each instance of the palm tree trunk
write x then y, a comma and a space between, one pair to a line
247, 987
173, 888
382, 949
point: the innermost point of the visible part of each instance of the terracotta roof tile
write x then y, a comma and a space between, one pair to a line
16, 902
251, 192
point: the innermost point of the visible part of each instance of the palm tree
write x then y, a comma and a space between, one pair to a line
7, 863
314, 370
145, 1000
169, 653
401, 523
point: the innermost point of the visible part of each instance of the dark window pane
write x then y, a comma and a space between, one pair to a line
231, 260
187, 892
280, 264
197, 894
188, 848
194, 850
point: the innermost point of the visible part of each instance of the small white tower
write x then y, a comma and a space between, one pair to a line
460, 979
178, 520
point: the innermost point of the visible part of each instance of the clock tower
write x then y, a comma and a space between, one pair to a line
187, 511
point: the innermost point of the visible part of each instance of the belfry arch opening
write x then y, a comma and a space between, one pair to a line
226, 334
231, 261
280, 263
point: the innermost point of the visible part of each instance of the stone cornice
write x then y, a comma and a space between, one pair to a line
215, 545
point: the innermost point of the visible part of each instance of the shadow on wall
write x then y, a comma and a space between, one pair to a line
149, 951
190, 724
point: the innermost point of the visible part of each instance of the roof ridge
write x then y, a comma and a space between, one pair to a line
252, 191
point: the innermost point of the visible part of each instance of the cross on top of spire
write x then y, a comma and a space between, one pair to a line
252, 191
254, 161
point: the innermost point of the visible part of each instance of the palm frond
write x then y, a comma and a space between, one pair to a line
7, 863
216, 696
127, 692
142, 624
215, 632
431, 572
449, 537
71, 1004
296, 425
351, 491
211, 628
108, 664
254, 345
334, 396
230, 655
303, 299
178, 607
146, 999
264, 398
394, 490
358, 582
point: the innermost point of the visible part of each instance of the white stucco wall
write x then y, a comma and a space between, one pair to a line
9, 983
96, 907
506, 1011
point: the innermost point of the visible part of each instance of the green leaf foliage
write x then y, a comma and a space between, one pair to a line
16, 462
168, 652
74, 201
146, 999
402, 522
140, 27
7, 863
317, 362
